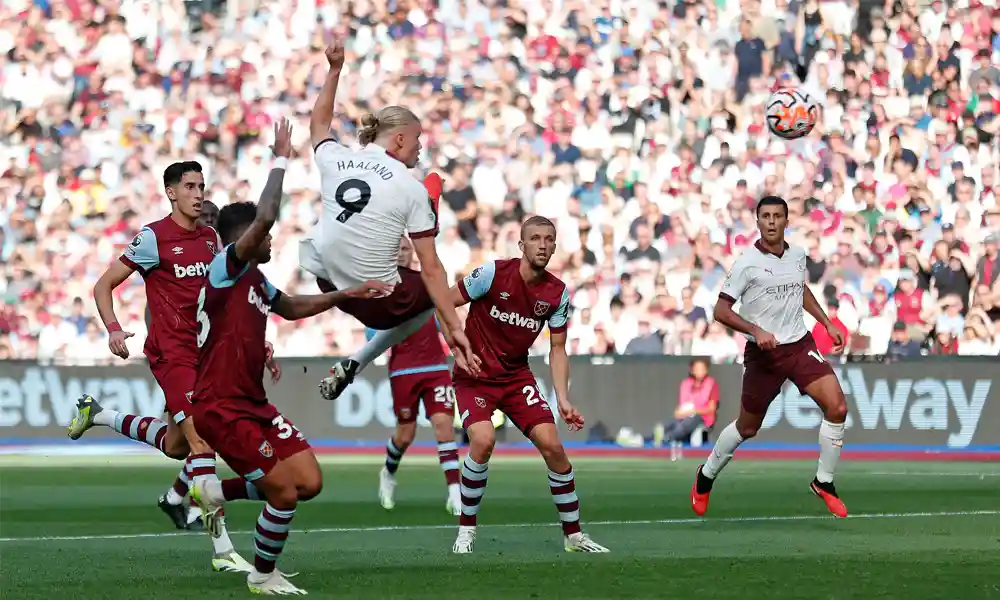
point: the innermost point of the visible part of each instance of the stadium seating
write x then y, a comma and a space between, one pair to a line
636, 126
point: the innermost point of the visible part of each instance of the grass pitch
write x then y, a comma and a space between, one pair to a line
90, 529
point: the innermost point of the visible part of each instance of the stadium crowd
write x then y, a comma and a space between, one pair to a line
637, 126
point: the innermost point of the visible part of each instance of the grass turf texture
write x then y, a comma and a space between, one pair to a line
922, 531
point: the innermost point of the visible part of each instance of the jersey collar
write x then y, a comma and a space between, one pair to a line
760, 246
387, 153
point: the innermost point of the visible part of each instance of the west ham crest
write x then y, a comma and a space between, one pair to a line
541, 308
266, 450
211, 246
480, 403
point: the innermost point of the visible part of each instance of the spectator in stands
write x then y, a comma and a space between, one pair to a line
639, 131
824, 343
697, 402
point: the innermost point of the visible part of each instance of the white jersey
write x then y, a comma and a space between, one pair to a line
770, 290
370, 200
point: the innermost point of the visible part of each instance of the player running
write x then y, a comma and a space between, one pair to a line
511, 300
275, 462
370, 200
418, 371
770, 282
172, 255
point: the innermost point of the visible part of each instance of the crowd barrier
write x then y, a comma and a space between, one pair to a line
950, 404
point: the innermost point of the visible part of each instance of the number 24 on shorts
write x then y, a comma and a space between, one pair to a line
286, 429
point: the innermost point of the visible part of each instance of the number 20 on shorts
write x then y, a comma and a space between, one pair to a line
531, 395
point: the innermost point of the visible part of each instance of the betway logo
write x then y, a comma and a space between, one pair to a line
46, 397
257, 300
926, 404
198, 269
514, 318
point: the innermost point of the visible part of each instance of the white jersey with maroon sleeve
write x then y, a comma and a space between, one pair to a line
370, 200
770, 290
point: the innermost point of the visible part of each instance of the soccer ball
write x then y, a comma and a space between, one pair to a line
791, 113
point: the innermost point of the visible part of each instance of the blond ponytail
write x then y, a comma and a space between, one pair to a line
387, 119
369, 129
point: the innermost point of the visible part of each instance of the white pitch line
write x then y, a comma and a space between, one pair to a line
927, 474
399, 528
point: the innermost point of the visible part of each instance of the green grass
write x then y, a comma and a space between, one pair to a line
766, 536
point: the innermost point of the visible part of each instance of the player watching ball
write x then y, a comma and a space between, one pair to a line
510, 301
172, 255
370, 200
770, 282
419, 372
233, 414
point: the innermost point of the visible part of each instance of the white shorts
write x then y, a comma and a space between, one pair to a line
311, 260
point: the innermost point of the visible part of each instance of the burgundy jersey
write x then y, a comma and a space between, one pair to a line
173, 262
232, 315
420, 353
507, 314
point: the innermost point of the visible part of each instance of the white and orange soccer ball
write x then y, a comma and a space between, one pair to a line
791, 113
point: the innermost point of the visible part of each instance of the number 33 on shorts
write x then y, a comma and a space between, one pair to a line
286, 429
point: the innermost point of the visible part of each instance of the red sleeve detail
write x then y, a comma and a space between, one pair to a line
723, 296
463, 291
128, 263
422, 234
561, 329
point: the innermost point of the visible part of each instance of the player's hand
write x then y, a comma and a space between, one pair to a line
461, 349
838, 338
116, 343
571, 416
335, 55
282, 145
370, 289
272, 365
765, 340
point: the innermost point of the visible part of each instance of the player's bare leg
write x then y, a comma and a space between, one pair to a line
472, 485
295, 479
743, 428
562, 485
829, 396
343, 373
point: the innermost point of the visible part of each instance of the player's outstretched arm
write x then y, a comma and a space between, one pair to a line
293, 308
116, 274
269, 206
436, 280
322, 114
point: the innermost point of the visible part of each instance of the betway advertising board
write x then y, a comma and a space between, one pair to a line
947, 403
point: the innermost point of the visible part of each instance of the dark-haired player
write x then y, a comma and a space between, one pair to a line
232, 412
510, 302
172, 255
418, 372
769, 280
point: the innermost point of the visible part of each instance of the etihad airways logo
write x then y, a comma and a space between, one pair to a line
513, 318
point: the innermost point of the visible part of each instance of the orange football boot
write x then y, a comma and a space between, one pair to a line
699, 500
828, 494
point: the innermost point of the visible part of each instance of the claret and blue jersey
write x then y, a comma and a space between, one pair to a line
233, 309
507, 313
420, 353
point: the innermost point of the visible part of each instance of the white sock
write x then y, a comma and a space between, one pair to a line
106, 417
831, 442
212, 489
729, 440
222, 544
383, 340
173, 498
